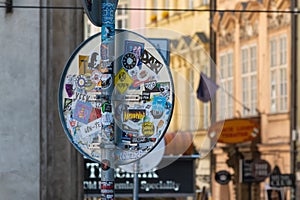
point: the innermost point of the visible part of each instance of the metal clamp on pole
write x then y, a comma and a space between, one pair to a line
93, 10
9, 6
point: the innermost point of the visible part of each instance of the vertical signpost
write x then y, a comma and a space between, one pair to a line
107, 54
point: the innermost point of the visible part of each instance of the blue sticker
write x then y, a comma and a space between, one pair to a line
158, 106
135, 47
159, 100
108, 31
108, 13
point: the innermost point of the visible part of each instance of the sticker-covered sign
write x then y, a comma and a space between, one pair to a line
140, 105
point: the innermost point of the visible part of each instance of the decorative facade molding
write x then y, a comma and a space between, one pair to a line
226, 37
227, 29
278, 20
248, 29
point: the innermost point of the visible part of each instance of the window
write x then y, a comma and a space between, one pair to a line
249, 79
278, 74
273, 53
199, 58
283, 89
253, 58
225, 101
273, 91
206, 116
244, 60
283, 50
205, 2
191, 4
192, 99
167, 4
229, 65
206, 111
122, 16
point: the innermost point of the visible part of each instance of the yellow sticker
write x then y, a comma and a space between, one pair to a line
123, 81
83, 62
148, 128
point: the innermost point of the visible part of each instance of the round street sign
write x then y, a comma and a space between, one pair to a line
141, 104
223, 177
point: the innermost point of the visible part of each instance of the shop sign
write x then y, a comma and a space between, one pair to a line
223, 177
254, 170
281, 180
235, 131
165, 182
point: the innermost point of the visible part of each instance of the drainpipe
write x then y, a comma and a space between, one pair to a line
293, 109
213, 56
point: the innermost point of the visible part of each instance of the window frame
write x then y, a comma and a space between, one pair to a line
248, 78
279, 75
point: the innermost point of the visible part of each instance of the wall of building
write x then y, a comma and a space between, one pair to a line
19, 116
61, 170
137, 18
37, 160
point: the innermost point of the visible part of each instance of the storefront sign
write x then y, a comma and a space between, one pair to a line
281, 180
254, 170
235, 131
177, 179
223, 177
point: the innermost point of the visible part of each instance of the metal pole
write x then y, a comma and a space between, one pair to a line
213, 74
107, 52
293, 113
250, 191
136, 181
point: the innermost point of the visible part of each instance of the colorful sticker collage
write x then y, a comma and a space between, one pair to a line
142, 105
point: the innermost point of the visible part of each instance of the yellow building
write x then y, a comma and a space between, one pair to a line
253, 59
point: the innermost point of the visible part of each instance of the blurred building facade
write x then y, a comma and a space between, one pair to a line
38, 162
253, 58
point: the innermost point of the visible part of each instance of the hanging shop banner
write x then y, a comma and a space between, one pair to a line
223, 177
175, 180
254, 170
139, 107
281, 180
235, 131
